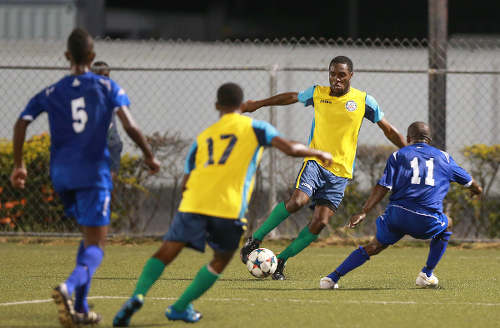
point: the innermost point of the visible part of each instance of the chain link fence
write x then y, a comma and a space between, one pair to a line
172, 86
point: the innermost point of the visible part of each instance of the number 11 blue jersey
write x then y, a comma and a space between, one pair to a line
420, 175
79, 109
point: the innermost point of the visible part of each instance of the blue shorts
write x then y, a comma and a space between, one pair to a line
222, 235
398, 221
324, 187
89, 206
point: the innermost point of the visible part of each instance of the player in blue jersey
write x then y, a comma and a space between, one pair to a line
419, 177
79, 109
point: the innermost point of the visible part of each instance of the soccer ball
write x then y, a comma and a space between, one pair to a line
262, 263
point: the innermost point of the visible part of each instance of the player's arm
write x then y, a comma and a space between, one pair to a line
136, 135
295, 149
475, 188
184, 182
392, 133
378, 193
19, 173
281, 99
376, 115
189, 164
461, 176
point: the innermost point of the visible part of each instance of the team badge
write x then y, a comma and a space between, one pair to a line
351, 105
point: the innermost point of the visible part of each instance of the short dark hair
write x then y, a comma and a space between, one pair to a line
342, 60
419, 131
229, 95
79, 45
99, 67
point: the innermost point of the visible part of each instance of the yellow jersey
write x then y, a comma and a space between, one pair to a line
221, 165
336, 124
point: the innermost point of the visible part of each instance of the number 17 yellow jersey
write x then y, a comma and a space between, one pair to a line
221, 165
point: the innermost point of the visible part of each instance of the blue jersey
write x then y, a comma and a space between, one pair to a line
79, 109
420, 175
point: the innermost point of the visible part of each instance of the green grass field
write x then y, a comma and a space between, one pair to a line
381, 293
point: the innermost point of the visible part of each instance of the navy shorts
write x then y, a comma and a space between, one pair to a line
222, 235
398, 221
324, 187
89, 206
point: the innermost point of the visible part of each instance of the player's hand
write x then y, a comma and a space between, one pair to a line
325, 157
153, 164
249, 106
18, 177
356, 219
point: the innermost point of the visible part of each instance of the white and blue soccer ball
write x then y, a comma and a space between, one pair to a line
262, 263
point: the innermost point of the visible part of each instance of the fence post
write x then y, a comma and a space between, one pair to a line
273, 119
438, 34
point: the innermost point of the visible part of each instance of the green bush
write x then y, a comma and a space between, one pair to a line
37, 207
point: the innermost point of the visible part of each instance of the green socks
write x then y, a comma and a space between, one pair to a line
151, 272
201, 283
277, 216
303, 240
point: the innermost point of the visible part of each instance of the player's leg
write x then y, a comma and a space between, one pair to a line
307, 235
437, 248
354, 260
206, 277
91, 209
151, 272
60, 294
186, 229
93, 216
328, 195
278, 215
223, 237
385, 236
305, 185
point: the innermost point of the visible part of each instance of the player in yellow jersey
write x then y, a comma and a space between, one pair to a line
339, 110
218, 182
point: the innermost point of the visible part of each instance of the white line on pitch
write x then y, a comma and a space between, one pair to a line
291, 300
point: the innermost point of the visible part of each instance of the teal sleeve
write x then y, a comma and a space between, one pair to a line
265, 132
306, 96
191, 158
372, 110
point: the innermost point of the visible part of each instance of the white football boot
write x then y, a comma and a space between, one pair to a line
426, 282
327, 283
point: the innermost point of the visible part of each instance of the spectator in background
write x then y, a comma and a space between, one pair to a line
115, 144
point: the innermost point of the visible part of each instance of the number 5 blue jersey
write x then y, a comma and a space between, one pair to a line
79, 109
420, 175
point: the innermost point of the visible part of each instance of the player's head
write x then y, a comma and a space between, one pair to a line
80, 48
418, 132
229, 97
101, 68
341, 71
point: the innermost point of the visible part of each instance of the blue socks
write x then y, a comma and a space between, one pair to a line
436, 251
354, 260
87, 261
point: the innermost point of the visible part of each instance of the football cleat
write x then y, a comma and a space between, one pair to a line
131, 306
250, 245
328, 283
188, 315
89, 318
278, 274
426, 282
65, 309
